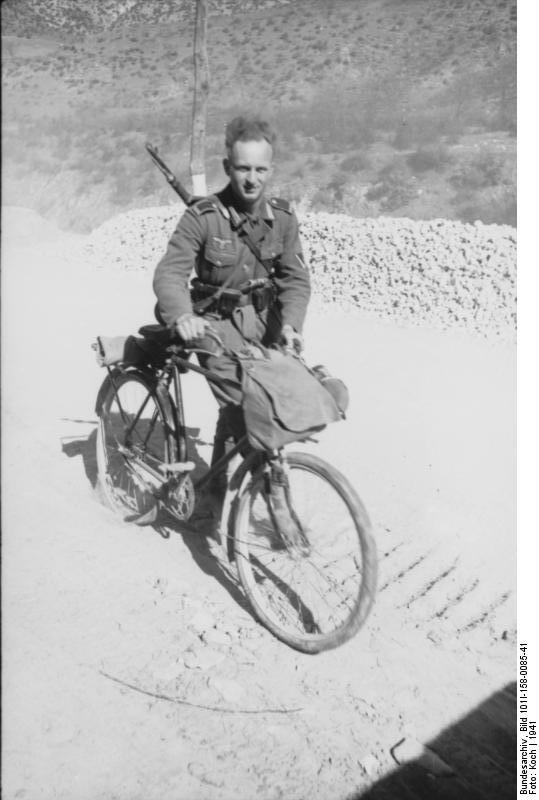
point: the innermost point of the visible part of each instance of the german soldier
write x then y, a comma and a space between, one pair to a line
235, 238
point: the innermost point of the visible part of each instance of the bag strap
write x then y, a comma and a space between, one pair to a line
255, 250
245, 237
201, 305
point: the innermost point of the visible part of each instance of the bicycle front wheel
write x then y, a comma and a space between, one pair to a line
317, 595
132, 442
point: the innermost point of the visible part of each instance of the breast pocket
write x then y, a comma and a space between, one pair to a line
220, 255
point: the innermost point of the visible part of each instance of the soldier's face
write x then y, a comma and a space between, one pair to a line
249, 167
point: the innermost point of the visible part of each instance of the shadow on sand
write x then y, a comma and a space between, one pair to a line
208, 557
474, 759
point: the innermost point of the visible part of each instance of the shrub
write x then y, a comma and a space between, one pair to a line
395, 188
481, 171
336, 187
491, 207
354, 163
434, 157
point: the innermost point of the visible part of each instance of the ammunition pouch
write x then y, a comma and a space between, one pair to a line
228, 300
263, 297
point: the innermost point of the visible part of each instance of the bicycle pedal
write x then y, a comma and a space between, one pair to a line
147, 518
178, 466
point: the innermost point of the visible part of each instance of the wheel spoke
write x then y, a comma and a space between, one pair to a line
133, 442
313, 593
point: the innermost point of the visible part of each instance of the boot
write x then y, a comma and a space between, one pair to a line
229, 428
281, 512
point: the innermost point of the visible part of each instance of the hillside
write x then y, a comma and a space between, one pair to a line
384, 106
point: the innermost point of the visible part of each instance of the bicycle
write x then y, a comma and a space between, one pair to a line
313, 590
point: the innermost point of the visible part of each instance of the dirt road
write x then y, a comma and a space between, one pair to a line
101, 616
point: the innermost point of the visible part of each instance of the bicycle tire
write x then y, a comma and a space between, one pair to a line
121, 456
266, 567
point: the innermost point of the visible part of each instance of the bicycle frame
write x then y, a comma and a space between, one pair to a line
167, 376
266, 524
181, 432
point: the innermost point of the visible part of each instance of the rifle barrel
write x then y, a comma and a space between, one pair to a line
178, 187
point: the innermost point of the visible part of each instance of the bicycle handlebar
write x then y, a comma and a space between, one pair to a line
208, 334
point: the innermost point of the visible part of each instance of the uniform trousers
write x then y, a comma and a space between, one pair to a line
242, 327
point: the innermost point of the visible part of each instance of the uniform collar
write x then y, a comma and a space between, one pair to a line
228, 199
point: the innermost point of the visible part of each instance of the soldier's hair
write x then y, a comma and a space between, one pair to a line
248, 129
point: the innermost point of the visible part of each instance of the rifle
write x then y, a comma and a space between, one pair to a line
178, 187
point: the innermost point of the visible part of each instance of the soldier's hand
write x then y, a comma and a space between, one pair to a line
292, 340
190, 327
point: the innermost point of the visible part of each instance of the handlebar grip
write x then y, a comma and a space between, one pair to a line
209, 334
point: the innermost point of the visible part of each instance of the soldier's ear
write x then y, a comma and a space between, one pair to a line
226, 166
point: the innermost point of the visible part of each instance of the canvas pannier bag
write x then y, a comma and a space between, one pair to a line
283, 401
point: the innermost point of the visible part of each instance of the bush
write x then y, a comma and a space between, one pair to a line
354, 163
481, 171
394, 189
491, 207
434, 157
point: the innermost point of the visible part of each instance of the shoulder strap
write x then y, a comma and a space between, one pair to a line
282, 205
209, 204
204, 206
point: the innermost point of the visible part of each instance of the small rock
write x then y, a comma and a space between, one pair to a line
202, 658
201, 621
230, 627
216, 636
205, 774
253, 632
409, 749
243, 656
370, 765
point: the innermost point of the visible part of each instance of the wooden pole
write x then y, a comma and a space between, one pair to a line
200, 101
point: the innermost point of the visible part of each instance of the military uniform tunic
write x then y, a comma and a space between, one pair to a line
209, 239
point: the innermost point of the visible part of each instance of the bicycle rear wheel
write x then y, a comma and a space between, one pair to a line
317, 595
132, 442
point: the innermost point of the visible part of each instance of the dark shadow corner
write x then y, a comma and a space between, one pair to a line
475, 759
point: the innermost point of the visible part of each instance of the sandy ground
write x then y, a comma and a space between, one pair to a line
89, 600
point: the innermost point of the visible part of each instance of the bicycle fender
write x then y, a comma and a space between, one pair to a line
149, 377
104, 388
